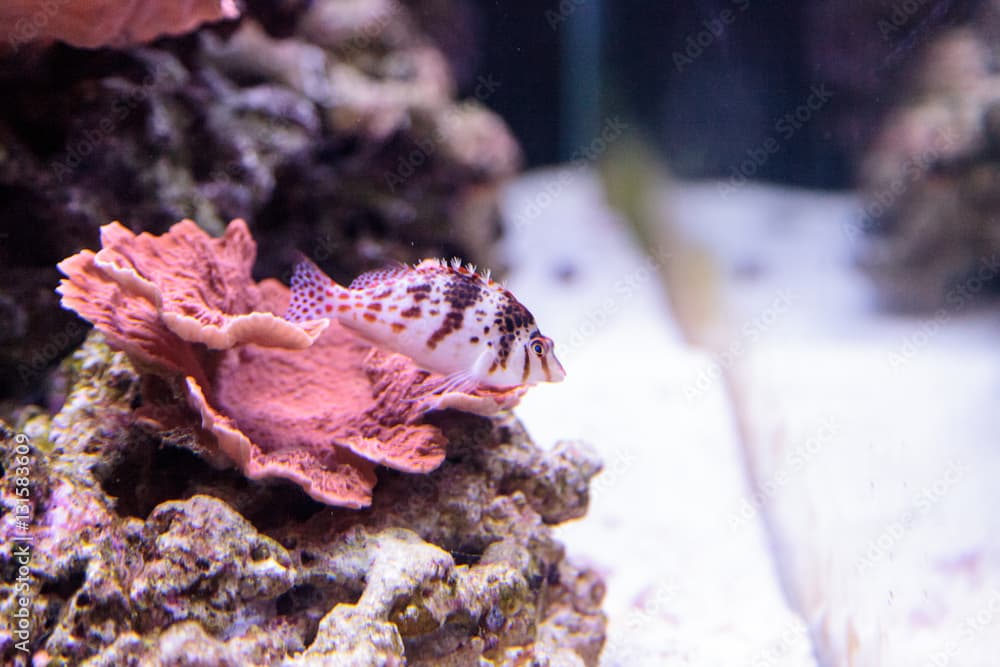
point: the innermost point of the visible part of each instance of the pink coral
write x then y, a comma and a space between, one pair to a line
200, 286
153, 296
185, 305
96, 23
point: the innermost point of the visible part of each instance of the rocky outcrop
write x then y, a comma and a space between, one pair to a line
142, 549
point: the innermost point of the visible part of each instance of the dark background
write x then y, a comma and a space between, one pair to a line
706, 84
562, 74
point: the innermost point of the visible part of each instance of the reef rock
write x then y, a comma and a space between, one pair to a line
330, 127
184, 306
145, 554
930, 179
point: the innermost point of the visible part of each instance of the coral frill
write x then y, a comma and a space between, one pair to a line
308, 402
97, 23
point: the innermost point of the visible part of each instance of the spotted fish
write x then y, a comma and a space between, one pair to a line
446, 317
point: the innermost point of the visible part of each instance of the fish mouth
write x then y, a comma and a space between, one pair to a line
557, 373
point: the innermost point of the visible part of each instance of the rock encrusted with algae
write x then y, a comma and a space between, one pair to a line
144, 554
324, 417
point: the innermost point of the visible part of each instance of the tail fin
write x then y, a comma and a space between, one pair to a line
314, 294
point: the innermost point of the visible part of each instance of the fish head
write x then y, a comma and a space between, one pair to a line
533, 360
543, 349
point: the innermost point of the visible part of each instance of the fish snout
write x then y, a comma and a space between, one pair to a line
556, 371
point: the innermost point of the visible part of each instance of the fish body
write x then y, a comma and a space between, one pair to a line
446, 317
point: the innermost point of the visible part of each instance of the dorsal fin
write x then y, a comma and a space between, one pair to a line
455, 265
389, 271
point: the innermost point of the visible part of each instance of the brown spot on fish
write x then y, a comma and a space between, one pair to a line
527, 365
452, 322
344, 295
461, 293
370, 317
392, 308
413, 311
474, 339
342, 307
384, 293
433, 311
397, 327
503, 349
375, 306
545, 368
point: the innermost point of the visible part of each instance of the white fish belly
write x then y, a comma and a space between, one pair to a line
410, 336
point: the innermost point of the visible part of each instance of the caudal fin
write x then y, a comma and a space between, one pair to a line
314, 294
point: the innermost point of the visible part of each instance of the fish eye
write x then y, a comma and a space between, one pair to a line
538, 346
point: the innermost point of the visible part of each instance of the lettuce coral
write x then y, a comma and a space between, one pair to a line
307, 402
97, 23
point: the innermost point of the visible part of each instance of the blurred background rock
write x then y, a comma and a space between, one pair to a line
332, 127
892, 98
362, 131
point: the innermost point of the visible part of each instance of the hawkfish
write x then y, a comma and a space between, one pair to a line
446, 317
